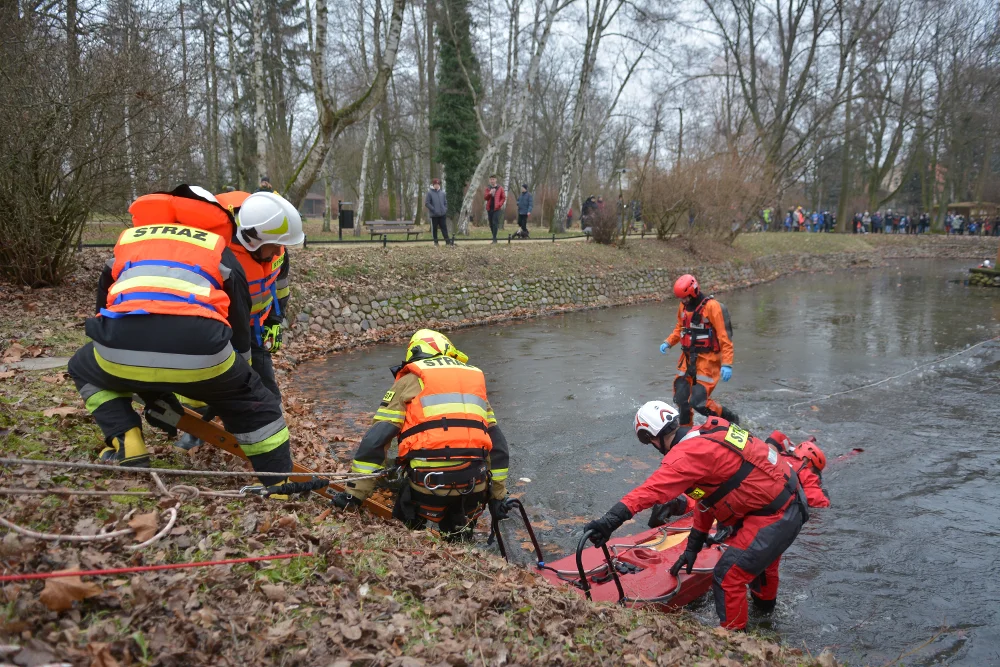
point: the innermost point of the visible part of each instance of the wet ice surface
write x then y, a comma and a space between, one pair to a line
908, 552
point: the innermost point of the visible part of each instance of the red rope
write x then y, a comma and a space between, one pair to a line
145, 568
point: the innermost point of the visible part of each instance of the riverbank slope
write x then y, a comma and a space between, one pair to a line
370, 594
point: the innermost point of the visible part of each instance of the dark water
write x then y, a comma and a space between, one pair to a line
909, 551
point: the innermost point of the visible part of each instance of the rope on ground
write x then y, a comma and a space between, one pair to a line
145, 568
99, 537
172, 471
892, 377
159, 535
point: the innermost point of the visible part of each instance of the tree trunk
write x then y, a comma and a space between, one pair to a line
260, 161
327, 198
238, 178
359, 216
522, 99
333, 121
184, 56
433, 168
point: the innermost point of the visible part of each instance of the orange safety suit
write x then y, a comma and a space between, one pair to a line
710, 343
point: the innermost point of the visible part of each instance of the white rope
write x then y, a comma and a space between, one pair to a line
892, 377
159, 535
99, 537
171, 471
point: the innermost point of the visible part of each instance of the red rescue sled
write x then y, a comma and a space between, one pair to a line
633, 569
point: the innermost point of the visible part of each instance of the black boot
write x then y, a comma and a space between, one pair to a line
730, 416
763, 606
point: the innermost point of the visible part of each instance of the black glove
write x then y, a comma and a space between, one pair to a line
603, 528
663, 511
499, 509
345, 501
696, 540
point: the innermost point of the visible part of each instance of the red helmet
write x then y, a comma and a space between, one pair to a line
811, 452
686, 286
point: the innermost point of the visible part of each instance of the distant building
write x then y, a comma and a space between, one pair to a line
314, 206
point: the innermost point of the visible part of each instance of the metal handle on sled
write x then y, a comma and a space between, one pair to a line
495, 528
607, 557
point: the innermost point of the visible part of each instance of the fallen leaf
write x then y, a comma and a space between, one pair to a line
815, 408
281, 631
144, 525
274, 593
14, 353
54, 379
5, 375
100, 655
322, 515
34, 350
351, 632
60, 594
59, 412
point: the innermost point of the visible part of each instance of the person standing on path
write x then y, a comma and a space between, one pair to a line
525, 202
437, 208
496, 201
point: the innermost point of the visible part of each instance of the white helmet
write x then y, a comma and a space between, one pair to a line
654, 419
266, 217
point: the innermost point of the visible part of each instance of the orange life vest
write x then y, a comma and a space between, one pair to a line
169, 262
697, 334
763, 484
261, 276
448, 418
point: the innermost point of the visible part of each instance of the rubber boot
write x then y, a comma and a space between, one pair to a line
763, 606
730, 416
127, 450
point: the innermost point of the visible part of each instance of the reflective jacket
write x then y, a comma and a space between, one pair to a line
268, 281
448, 418
170, 261
728, 472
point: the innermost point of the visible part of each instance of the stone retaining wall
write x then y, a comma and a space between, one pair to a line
984, 277
341, 316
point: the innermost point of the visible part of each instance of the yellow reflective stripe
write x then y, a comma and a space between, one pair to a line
454, 408
257, 307
157, 281
500, 474
100, 398
283, 292
181, 375
491, 418
364, 467
422, 463
190, 402
264, 446
384, 415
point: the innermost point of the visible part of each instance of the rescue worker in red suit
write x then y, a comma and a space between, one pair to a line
738, 481
808, 461
174, 318
706, 352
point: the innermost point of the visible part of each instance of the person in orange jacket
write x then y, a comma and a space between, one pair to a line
808, 461
738, 481
707, 352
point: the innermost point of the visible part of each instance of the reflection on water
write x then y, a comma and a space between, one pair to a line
910, 546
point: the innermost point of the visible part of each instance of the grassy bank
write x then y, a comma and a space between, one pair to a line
371, 593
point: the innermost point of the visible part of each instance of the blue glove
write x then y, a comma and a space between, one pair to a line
664, 347
727, 372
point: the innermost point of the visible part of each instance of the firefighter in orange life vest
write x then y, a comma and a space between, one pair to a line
455, 455
808, 461
706, 352
265, 263
174, 317
738, 481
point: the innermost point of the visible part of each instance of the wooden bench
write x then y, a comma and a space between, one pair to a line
382, 227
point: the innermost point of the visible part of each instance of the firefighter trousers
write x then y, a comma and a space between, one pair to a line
752, 559
694, 395
455, 516
248, 410
262, 365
